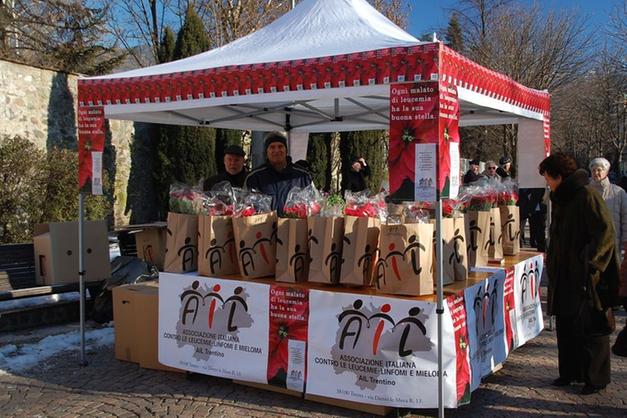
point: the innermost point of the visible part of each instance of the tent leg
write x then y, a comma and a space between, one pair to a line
81, 275
440, 308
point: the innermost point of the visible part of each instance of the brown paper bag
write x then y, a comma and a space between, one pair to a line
405, 259
510, 227
477, 226
325, 248
181, 249
292, 257
460, 252
361, 236
216, 246
150, 244
255, 238
495, 241
448, 268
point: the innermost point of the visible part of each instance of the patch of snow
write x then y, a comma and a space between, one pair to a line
18, 358
10, 305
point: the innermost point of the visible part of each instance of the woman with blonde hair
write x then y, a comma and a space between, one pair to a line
614, 196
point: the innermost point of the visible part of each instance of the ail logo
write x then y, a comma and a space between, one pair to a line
355, 321
247, 254
215, 253
529, 282
511, 235
484, 305
194, 300
392, 259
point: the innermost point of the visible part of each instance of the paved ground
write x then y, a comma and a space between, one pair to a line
108, 387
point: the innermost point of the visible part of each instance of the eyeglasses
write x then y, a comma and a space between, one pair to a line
491, 168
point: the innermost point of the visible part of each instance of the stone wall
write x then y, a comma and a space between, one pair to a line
40, 105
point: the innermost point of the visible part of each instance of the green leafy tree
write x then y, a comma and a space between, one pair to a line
319, 158
22, 185
454, 34
39, 187
371, 145
185, 153
61, 193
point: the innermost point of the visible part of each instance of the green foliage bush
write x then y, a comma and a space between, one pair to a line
36, 186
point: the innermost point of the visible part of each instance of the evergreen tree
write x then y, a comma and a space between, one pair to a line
454, 34
319, 157
185, 153
166, 48
371, 146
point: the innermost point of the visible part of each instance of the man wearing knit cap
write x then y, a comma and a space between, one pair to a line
278, 175
505, 167
472, 174
234, 170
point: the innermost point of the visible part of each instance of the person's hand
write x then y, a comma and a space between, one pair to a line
362, 161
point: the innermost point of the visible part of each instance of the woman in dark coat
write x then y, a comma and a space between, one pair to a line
581, 266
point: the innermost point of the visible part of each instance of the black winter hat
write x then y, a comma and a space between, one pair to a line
474, 162
504, 160
235, 150
275, 137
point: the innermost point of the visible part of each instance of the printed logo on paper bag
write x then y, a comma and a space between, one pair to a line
458, 241
215, 253
474, 234
334, 260
247, 254
366, 334
209, 319
511, 235
298, 262
392, 259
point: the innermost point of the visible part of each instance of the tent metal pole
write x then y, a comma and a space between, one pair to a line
81, 273
440, 308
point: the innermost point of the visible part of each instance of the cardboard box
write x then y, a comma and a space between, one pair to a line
126, 339
150, 243
136, 316
56, 252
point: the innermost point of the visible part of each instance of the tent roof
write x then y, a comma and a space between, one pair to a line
315, 28
316, 34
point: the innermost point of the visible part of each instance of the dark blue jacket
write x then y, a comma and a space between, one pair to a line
267, 180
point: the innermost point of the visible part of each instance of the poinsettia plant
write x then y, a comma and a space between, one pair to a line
249, 203
185, 199
360, 204
302, 202
508, 195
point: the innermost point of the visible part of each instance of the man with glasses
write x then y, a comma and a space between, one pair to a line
490, 172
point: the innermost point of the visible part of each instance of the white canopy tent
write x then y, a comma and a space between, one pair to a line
258, 83
315, 29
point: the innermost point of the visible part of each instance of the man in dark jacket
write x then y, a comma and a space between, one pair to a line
472, 174
505, 168
582, 268
278, 175
234, 170
356, 177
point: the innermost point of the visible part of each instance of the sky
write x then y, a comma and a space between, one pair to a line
427, 16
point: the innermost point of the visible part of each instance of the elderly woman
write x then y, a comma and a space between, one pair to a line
614, 196
581, 265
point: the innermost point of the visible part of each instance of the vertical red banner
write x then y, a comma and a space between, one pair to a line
457, 307
289, 316
424, 141
91, 139
509, 312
